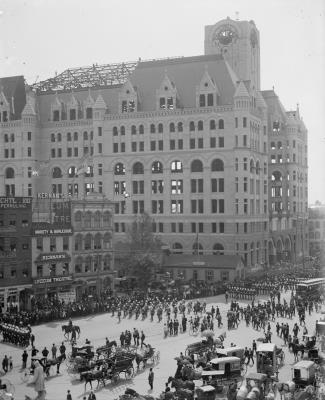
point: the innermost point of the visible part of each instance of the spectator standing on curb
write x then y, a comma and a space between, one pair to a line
151, 378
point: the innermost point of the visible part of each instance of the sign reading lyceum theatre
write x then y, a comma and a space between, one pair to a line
15, 202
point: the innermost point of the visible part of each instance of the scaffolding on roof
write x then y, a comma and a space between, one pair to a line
85, 77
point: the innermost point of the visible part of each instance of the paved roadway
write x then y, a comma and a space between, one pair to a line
97, 327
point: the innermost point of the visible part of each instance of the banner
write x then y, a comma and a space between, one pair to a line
67, 297
15, 202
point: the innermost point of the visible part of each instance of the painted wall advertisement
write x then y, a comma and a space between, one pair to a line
15, 202
67, 297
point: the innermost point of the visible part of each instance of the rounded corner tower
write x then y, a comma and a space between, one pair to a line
239, 43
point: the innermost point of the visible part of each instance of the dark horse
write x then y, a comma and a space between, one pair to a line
73, 329
180, 384
94, 375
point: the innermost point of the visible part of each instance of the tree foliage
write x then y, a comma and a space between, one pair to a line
144, 250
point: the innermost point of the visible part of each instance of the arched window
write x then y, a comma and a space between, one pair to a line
107, 240
122, 130
197, 248
97, 218
98, 241
160, 128
251, 166
157, 167
56, 173
85, 135
78, 242
200, 126
177, 248
152, 128
221, 124
272, 145
212, 124
137, 168
218, 249
115, 131
10, 173
133, 130
217, 165
180, 127
87, 242
59, 136
192, 126
119, 169
75, 136
69, 137
87, 219
176, 166
141, 129
196, 166
72, 172
106, 218
258, 168
172, 127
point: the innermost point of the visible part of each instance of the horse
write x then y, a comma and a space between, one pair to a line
52, 362
70, 329
180, 384
94, 375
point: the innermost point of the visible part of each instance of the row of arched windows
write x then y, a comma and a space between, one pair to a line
173, 127
157, 167
197, 248
90, 219
92, 242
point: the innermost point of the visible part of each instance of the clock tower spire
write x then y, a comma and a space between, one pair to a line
238, 42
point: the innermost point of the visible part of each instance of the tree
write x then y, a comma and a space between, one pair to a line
144, 250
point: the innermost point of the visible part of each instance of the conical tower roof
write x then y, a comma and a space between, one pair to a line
28, 109
100, 103
241, 90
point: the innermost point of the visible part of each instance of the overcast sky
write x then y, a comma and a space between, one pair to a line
41, 37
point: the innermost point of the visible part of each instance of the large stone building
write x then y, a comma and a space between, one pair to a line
190, 140
316, 225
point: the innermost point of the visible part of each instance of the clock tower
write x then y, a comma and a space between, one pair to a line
238, 42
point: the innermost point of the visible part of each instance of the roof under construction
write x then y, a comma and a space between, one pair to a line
85, 77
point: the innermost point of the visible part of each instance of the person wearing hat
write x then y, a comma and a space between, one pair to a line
38, 381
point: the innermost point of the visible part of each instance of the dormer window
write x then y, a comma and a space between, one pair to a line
128, 98
207, 91
166, 95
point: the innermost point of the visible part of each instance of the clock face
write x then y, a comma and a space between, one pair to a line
225, 35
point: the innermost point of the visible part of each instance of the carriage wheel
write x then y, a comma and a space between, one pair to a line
157, 356
129, 373
243, 369
24, 375
115, 377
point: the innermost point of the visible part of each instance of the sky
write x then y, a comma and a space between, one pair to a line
41, 37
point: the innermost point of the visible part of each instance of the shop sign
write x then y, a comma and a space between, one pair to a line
46, 229
15, 202
53, 257
52, 279
67, 297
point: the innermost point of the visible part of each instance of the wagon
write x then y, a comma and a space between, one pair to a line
231, 352
224, 371
200, 347
303, 373
266, 359
320, 328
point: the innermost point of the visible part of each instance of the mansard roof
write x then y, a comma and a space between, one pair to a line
13, 87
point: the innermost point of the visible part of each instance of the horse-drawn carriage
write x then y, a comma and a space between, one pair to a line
223, 371
266, 359
148, 355
304, 373
86, 351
